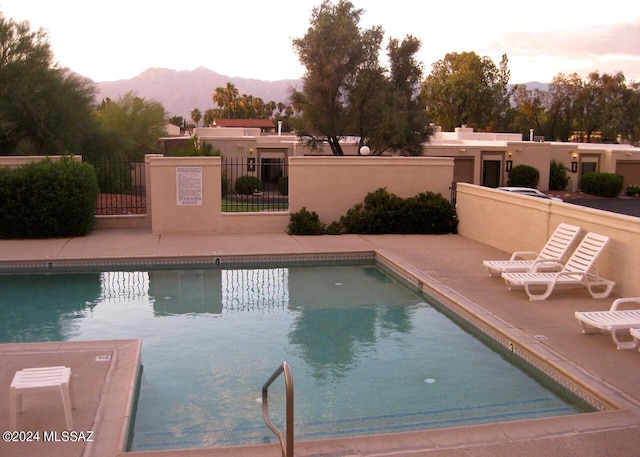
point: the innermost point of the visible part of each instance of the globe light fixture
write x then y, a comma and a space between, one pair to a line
365, 151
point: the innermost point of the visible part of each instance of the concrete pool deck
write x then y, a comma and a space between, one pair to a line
450, 264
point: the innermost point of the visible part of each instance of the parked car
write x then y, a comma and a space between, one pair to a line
531, 192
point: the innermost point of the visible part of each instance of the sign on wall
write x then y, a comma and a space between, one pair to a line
189, 186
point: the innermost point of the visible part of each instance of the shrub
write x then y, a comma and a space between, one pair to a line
428, 213
633, 190
523, 176
48, 199
305, 222
335, 228
382, 212
558, 177
246, 185
601, 184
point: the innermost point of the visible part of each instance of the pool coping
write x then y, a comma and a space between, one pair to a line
625, 418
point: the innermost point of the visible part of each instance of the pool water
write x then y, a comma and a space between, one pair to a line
368, 355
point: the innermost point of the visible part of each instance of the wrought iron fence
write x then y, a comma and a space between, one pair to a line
454, 192
255, 184
122, 186
248, 185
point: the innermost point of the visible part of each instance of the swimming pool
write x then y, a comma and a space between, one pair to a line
369, 354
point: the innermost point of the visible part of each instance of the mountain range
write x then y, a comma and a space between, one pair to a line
180, 92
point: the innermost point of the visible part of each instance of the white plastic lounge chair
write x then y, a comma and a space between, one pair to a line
580, 270
612, 321
635, 333
557, 248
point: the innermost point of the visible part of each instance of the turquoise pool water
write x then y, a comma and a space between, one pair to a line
368, 355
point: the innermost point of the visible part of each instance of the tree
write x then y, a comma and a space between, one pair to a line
196, 116
43, 109
227, 99
466, 89
178, 121
609, 94
529, 108
136, 123
575, 108
408, 123
561, 106
332, 50
347, 92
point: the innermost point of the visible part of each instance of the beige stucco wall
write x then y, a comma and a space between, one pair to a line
327, 185
514, 222
331, 185
166, 215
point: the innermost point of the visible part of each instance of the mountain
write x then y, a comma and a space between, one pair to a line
182, 91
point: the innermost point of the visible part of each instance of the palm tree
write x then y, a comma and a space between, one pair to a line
196, 116
219, 97
231, 95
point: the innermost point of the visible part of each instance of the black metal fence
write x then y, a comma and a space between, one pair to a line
122, 186
254, 185
454, 192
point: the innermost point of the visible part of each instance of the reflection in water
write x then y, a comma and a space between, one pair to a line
117, 286
330, 339
336, 320
41, 302
177, 292
260, 290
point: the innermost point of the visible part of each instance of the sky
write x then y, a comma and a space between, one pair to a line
118, 39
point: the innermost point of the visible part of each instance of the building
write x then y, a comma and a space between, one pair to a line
486, 158
482, 158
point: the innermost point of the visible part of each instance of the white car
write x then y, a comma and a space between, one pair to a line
531, 192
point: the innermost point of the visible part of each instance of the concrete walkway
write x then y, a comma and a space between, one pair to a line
449, 264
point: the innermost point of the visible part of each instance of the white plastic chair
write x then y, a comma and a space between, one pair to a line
612, 321
635, 334
557, 248
580, 270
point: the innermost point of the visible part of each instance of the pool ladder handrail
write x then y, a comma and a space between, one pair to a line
287, 448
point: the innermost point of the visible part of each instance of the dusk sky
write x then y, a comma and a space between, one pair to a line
119, 39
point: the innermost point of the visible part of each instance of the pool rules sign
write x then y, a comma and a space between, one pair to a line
189, 186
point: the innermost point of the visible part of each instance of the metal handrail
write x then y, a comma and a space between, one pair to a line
287, 448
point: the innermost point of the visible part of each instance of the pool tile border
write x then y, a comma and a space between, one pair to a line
223, 261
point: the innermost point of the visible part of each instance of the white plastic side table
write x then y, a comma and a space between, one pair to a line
40, 380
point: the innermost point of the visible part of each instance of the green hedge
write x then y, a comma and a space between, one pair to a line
633, 190
523, 176
48, 199
601, 184
247, 185
384, 212
305, 222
